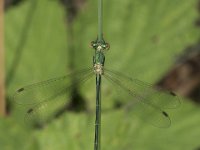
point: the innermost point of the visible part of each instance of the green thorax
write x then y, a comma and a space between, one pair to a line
99, 58
100, 47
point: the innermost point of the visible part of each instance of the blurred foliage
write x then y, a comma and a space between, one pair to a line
145, 38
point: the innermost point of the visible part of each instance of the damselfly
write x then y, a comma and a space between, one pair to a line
47, 98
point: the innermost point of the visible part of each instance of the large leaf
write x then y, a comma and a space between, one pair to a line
145, 37
121, 131
45, 44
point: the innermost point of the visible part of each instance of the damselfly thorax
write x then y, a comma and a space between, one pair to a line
99, 58
98, 62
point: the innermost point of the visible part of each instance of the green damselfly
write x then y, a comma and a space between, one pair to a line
44, 100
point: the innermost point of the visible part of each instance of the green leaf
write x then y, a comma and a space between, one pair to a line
15, 137
145, 37
121, 131
45, 46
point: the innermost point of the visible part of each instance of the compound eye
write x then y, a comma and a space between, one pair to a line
93, 44
107, 46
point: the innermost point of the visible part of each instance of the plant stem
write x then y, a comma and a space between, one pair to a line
100, 20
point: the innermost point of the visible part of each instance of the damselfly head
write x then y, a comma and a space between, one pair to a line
100, 45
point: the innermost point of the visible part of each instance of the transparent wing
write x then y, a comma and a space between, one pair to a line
46, 111
144, 100
38, 92
44, 100
154, 95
